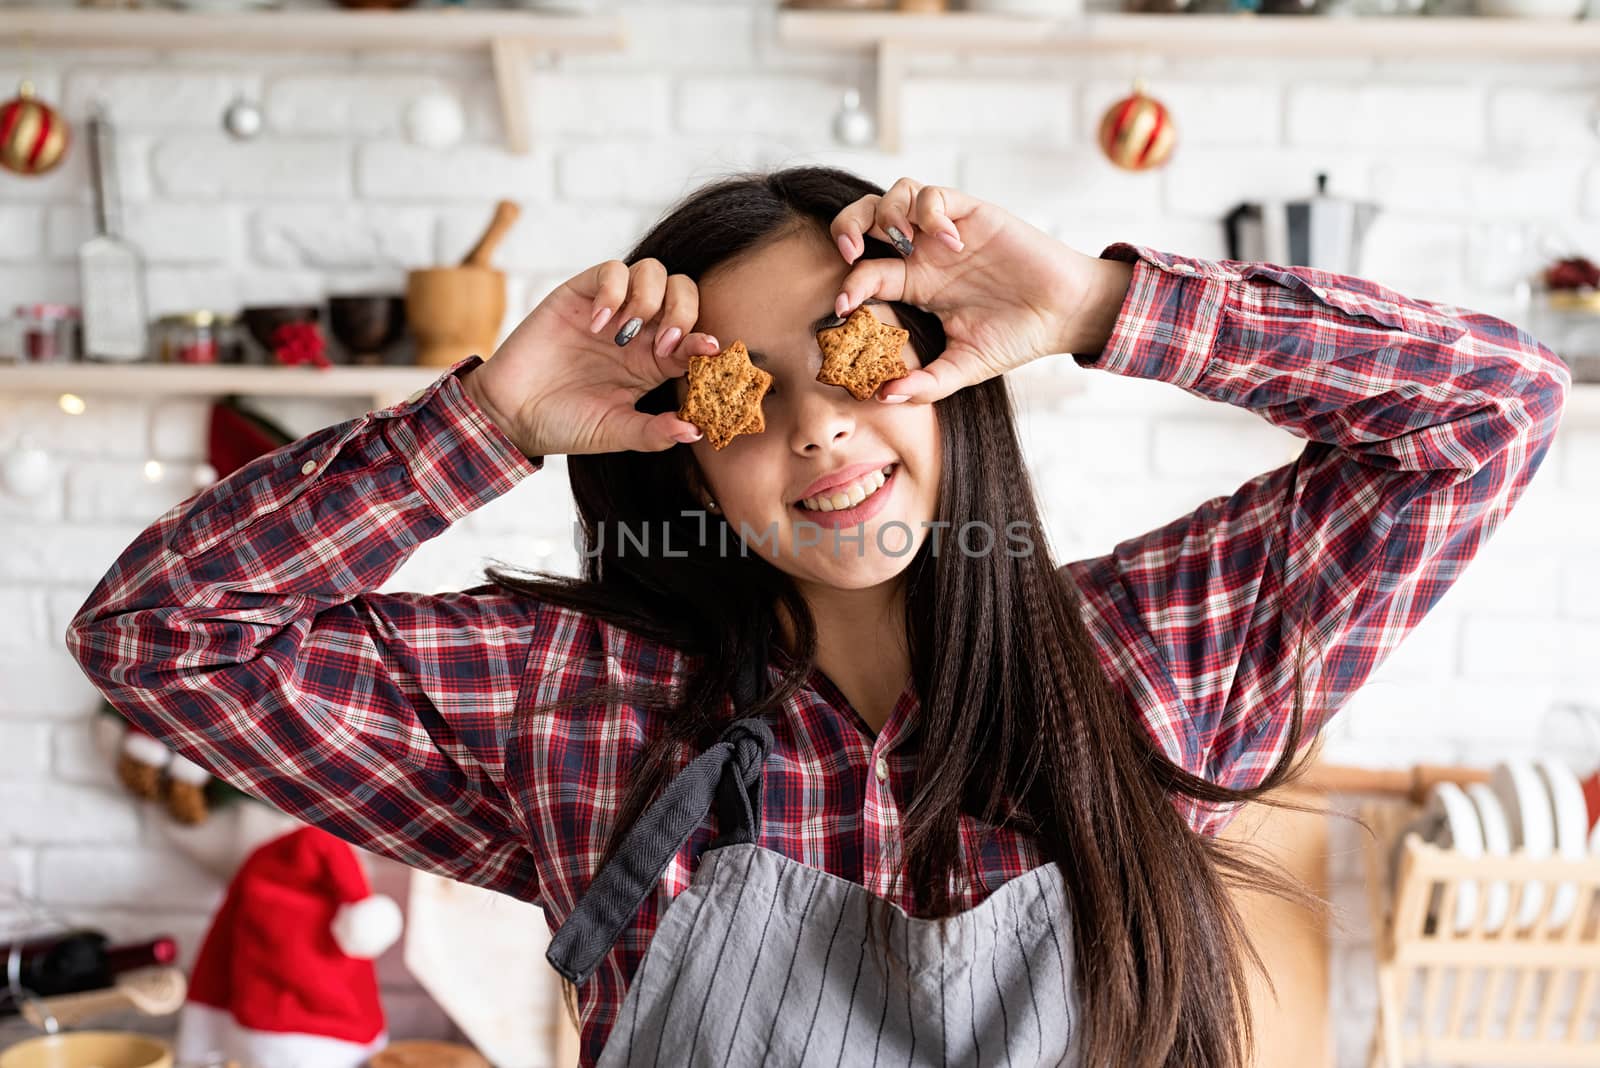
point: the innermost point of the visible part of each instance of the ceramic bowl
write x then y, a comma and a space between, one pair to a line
89, 1049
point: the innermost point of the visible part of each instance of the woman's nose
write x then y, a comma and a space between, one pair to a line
823, 417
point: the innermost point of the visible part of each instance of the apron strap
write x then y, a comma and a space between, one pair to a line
728, 773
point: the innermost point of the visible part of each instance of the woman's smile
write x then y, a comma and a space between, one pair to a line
853, 503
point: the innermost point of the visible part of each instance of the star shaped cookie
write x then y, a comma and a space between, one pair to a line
861, 354
725, 392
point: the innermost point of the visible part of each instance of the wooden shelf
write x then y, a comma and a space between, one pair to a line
1229, 35
509, 37
895, 38
381, 385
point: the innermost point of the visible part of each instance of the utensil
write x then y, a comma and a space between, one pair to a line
110, 269
367, 324
457, 311
157, 991
1323, 231
263, 321
505, 216
427, 1053
89, 1049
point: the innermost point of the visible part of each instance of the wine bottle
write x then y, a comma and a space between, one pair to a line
71, 961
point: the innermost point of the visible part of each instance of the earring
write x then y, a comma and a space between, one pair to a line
711, 504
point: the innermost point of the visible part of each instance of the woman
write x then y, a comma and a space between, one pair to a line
1005, 774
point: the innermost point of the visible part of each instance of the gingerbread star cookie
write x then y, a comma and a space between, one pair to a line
725, 394
861, 354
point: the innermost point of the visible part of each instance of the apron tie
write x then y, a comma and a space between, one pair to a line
729, 774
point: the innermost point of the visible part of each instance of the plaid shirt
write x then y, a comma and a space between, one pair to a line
244, 630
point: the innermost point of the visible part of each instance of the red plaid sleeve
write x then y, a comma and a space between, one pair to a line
241, 629
1424, 424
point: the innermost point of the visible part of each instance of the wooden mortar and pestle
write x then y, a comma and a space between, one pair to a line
456, 312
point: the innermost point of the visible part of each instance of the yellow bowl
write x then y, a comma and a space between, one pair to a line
89, 1049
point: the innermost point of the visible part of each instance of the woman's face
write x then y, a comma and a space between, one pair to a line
770, 299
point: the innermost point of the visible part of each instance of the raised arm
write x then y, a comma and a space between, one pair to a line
1424, 424
243, 630
243, 627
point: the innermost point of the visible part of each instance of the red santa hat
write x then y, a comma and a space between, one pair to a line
284, 978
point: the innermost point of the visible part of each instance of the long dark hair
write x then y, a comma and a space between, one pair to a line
1013, 694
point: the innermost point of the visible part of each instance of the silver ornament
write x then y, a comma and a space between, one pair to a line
242, 119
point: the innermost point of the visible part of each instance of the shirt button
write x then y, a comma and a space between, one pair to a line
413, 398
1185, 268
881, 769
308, 467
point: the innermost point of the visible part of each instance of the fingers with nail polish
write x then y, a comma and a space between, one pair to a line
629, 330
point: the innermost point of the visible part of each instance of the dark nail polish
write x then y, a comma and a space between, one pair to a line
899, 240
629, 330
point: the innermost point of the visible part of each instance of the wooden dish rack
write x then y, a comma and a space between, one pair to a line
1454, 993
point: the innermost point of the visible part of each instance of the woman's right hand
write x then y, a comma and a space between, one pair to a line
561, 384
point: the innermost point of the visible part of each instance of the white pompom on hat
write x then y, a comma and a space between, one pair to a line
365, 929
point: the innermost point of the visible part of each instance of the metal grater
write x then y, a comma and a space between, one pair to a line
110, 269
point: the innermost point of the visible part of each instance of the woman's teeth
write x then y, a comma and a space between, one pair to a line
849, 495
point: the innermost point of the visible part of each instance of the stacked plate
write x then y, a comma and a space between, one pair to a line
1532, 807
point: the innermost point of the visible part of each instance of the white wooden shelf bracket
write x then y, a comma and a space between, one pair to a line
509, 57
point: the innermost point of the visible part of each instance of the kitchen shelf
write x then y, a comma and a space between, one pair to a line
509, 37
382, 385
894, 38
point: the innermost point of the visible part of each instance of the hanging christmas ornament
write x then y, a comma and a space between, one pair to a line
25, 470
434, 120
1137, 132
33, 135
852, 124
242, 119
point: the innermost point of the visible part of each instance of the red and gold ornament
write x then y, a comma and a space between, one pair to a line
1137, 132
33, 135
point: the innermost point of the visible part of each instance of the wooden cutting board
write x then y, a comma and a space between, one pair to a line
1293, 1029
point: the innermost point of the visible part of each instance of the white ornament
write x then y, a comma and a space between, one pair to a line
853, 125
26, 470
434, 120
204, 475
242, 119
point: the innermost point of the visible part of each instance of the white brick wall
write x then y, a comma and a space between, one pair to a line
1457, 155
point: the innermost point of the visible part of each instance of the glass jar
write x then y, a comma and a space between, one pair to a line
47, 333
190, 337
1568, 322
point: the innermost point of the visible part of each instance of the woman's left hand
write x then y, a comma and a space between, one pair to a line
1006, 292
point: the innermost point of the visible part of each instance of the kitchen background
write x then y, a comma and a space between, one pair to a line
1484, 168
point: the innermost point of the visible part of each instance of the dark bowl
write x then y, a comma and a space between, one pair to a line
263, 320
367, 324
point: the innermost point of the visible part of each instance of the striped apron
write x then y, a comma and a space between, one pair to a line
763, 960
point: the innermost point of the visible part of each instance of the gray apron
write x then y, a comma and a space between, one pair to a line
764, 960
